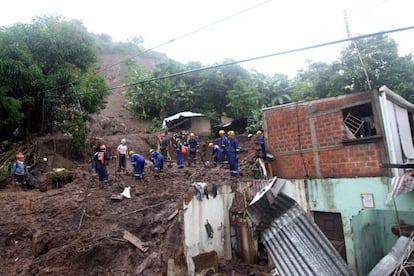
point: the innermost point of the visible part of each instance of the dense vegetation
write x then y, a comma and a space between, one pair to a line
233, 91
49, 80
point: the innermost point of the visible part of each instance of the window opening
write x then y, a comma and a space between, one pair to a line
359, 122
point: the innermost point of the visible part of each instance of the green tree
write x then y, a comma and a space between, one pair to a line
243, 99
48, 67
383, 65
273, 90
380, 59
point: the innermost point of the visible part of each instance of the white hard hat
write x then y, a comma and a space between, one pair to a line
123, 141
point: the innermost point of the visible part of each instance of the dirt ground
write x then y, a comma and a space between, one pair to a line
77, 229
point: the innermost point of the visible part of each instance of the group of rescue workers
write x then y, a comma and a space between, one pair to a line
226, 151
101, 157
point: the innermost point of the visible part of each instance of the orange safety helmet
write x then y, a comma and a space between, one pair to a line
102, 147
19, 156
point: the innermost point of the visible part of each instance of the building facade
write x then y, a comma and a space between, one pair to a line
340, 156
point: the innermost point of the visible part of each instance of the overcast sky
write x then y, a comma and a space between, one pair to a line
243, 29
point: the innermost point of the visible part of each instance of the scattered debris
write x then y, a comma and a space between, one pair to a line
173, 215
135, 241
127, 192
145, 208
117, 197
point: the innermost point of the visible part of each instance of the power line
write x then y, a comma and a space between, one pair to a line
194, 31
165, 43
265, 56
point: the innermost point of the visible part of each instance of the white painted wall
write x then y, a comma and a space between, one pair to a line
216, 211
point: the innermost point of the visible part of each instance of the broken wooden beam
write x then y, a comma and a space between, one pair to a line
135, 241
173, 215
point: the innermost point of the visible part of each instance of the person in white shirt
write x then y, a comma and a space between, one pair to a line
122, 151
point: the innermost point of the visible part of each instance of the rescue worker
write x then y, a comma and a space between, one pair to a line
217, 153
19, 171
261, 142
165, 146
122, 152
100, 162
158, 160
138, 162
223, 144
180, 155
233, 150
193, 148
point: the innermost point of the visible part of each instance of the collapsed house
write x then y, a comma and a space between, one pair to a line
295, 243
188, 121
342, 158
216, 226
340, 199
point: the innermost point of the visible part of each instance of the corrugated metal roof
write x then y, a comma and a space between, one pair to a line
295, 243
184, 114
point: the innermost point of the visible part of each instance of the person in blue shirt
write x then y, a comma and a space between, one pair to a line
158, 159
261, 142
138, 162
19, 171
164, 145
180, 155
233, 150
224, 141
217, 153
99, 163
192, 148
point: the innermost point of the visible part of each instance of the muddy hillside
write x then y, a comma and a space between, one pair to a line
71, 226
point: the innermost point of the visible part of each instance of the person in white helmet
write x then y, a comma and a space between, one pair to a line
122, 152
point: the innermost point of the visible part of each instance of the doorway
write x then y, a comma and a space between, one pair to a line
331, 225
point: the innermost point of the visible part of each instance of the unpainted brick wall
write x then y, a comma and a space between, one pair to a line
307, 141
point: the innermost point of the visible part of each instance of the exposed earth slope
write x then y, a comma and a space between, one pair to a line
77, 229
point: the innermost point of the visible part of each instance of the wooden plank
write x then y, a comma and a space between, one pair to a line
135, 241
173, 215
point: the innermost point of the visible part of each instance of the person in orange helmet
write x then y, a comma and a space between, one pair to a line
100, 161
19, 171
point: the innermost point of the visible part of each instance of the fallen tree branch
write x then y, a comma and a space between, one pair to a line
81, 219
142, 209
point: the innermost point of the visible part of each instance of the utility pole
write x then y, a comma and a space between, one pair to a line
348, 33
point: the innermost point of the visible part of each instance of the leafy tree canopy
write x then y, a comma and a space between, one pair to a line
234, 91
47, 69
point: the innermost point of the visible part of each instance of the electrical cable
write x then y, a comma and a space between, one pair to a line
192, 32
264, 56
167, 42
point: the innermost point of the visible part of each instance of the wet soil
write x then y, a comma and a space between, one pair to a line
77, 229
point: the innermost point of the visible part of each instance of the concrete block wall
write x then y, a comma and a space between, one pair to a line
307, 141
